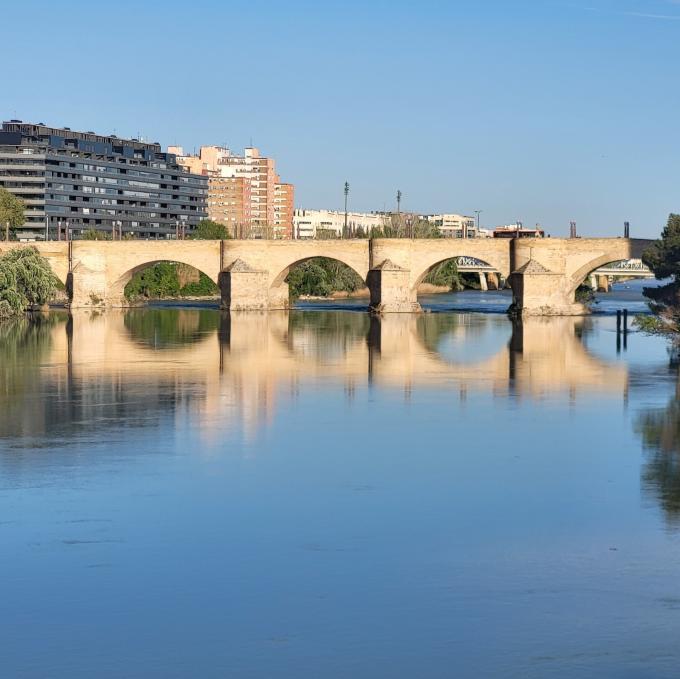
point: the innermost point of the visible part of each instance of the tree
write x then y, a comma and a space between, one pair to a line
406, 225
26, 280
663, 258
95, 234
11, 211
445, 274
207, 229
320, 276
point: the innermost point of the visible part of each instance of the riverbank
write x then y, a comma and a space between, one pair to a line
364, 293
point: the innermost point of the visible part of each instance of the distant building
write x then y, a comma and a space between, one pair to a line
83, 180
229, 203
518, 231
330, 223
453, 225
284, 209
268, 210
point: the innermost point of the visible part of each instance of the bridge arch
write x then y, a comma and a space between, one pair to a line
116, 292
605, 251
425, 255
278, 285
581, 275
482, 266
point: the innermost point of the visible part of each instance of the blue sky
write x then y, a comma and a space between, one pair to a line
543, 111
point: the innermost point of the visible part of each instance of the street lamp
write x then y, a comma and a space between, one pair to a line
478, 212
344, 232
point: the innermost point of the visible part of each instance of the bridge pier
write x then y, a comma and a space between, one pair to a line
391, 290
244, 288
537, 291
602, 283
483, 285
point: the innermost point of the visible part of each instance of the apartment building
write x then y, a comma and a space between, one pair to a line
284, 208
453, 225
270, 200
330, 223
229, 203
82, 180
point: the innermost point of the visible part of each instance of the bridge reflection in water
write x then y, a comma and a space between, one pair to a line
219, 370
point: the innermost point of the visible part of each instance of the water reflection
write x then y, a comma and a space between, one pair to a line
659, 429
131, 368
25, 345
159, 328
300, 478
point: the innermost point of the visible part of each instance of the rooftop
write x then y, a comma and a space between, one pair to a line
38, 130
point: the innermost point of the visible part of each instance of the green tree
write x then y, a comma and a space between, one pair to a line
26, 280
663, 258
207, 229
406, 225
321, 276
11, 212
445, 273
95, 234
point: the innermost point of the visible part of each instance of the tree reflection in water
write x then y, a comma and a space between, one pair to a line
162, 328
25, 345
660, 432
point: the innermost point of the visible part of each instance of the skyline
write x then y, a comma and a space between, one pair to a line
543, 112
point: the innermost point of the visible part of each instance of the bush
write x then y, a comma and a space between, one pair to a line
95, 234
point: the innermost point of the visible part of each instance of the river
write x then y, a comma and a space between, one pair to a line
321, 493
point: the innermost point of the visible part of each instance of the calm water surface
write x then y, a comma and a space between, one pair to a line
185, 493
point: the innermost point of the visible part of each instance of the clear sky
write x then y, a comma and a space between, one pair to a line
539, 110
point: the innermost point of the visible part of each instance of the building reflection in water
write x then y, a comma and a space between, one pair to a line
64, 375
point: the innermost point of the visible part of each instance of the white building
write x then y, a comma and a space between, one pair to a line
330, 223
454, 226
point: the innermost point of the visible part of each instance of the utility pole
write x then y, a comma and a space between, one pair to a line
399, 213
344, 232
477, 213
7, 230
47, 225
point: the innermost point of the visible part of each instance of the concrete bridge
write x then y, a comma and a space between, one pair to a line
543, 272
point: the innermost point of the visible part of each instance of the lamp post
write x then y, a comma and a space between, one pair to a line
344, 232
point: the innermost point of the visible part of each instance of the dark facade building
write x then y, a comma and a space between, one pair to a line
82, 181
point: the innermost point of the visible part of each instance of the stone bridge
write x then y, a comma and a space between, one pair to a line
543, 272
